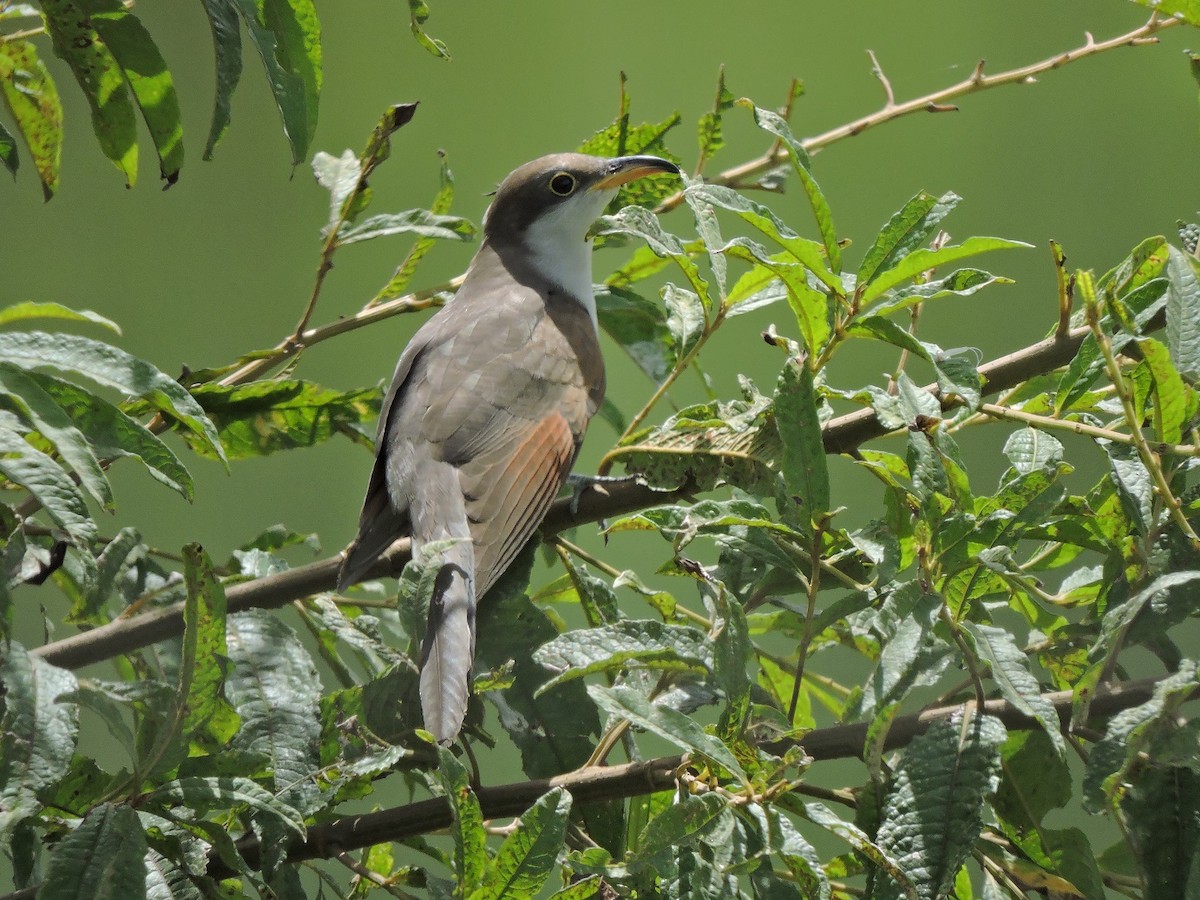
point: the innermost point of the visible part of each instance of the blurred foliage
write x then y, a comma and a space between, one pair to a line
240, 735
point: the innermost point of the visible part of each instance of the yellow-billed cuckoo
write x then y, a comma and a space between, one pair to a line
489, 405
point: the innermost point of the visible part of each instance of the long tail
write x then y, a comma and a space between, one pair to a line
449, 648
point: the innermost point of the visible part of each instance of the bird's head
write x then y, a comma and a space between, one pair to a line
562, 195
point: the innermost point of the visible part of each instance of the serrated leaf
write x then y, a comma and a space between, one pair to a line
52, 487
1129, 732
934, 812
960, 283
470, 838
40, 411
685, 319
643, 224
528, 855
442, 201
909, 228
123, 550
800, 249
641, 643
114, 434
146, 73
1175, 401
100, 859
810, 306
420, 222
679, 825
98, 73
1030, 450
265, 417
39, 733
921, 260
667, 723
639, 326
227, 48
775, 124
112, 367
287, 35
201, 795
1134, 484
804, 467
275, 689
881, 329
1162, 813
205, 652
1010, 670
32, 98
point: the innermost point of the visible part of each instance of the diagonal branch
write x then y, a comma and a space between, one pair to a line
596, 783
841, 435
937, 101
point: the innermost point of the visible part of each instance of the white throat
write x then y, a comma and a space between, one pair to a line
560, 256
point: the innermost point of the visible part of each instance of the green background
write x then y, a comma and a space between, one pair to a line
1097, 155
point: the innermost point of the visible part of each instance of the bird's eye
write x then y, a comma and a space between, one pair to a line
563, 184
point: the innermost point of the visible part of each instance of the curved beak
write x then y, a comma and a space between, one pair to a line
624, 169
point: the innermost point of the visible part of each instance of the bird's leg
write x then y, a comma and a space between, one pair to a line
580, 484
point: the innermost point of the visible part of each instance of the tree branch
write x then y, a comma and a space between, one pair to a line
597, 783
937, 101
841, 435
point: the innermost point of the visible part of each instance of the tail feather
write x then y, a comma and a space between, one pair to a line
449, 648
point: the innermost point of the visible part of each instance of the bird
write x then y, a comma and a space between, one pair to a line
489, 405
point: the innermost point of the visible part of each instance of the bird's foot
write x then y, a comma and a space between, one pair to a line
581, 484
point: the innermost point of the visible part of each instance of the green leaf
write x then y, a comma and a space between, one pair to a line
227, 47
440, 206
29, 309
287, 35
470, 838
1162, 812
275, 689
1176, 401
804, 467
732, 650
8, 149
775, 124
39, 733
582, 889
640, 643
802, 250
909, 228
124, 550
92, 63
1010, 670
1036, 781
921, 260
418, 13
1183, 313
960, 283
934, 812
639, 326
643, 224
1030, 450
111, 367
679, 825
203, 674
100, 859
1130, 732
114, 434
39, 474
685, 319
709, 131
528, 855
202, 794
32, 99
889, 332
1188, 10
667, 723
40, 411
146, 74
811, 306
420, 222
265, 417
